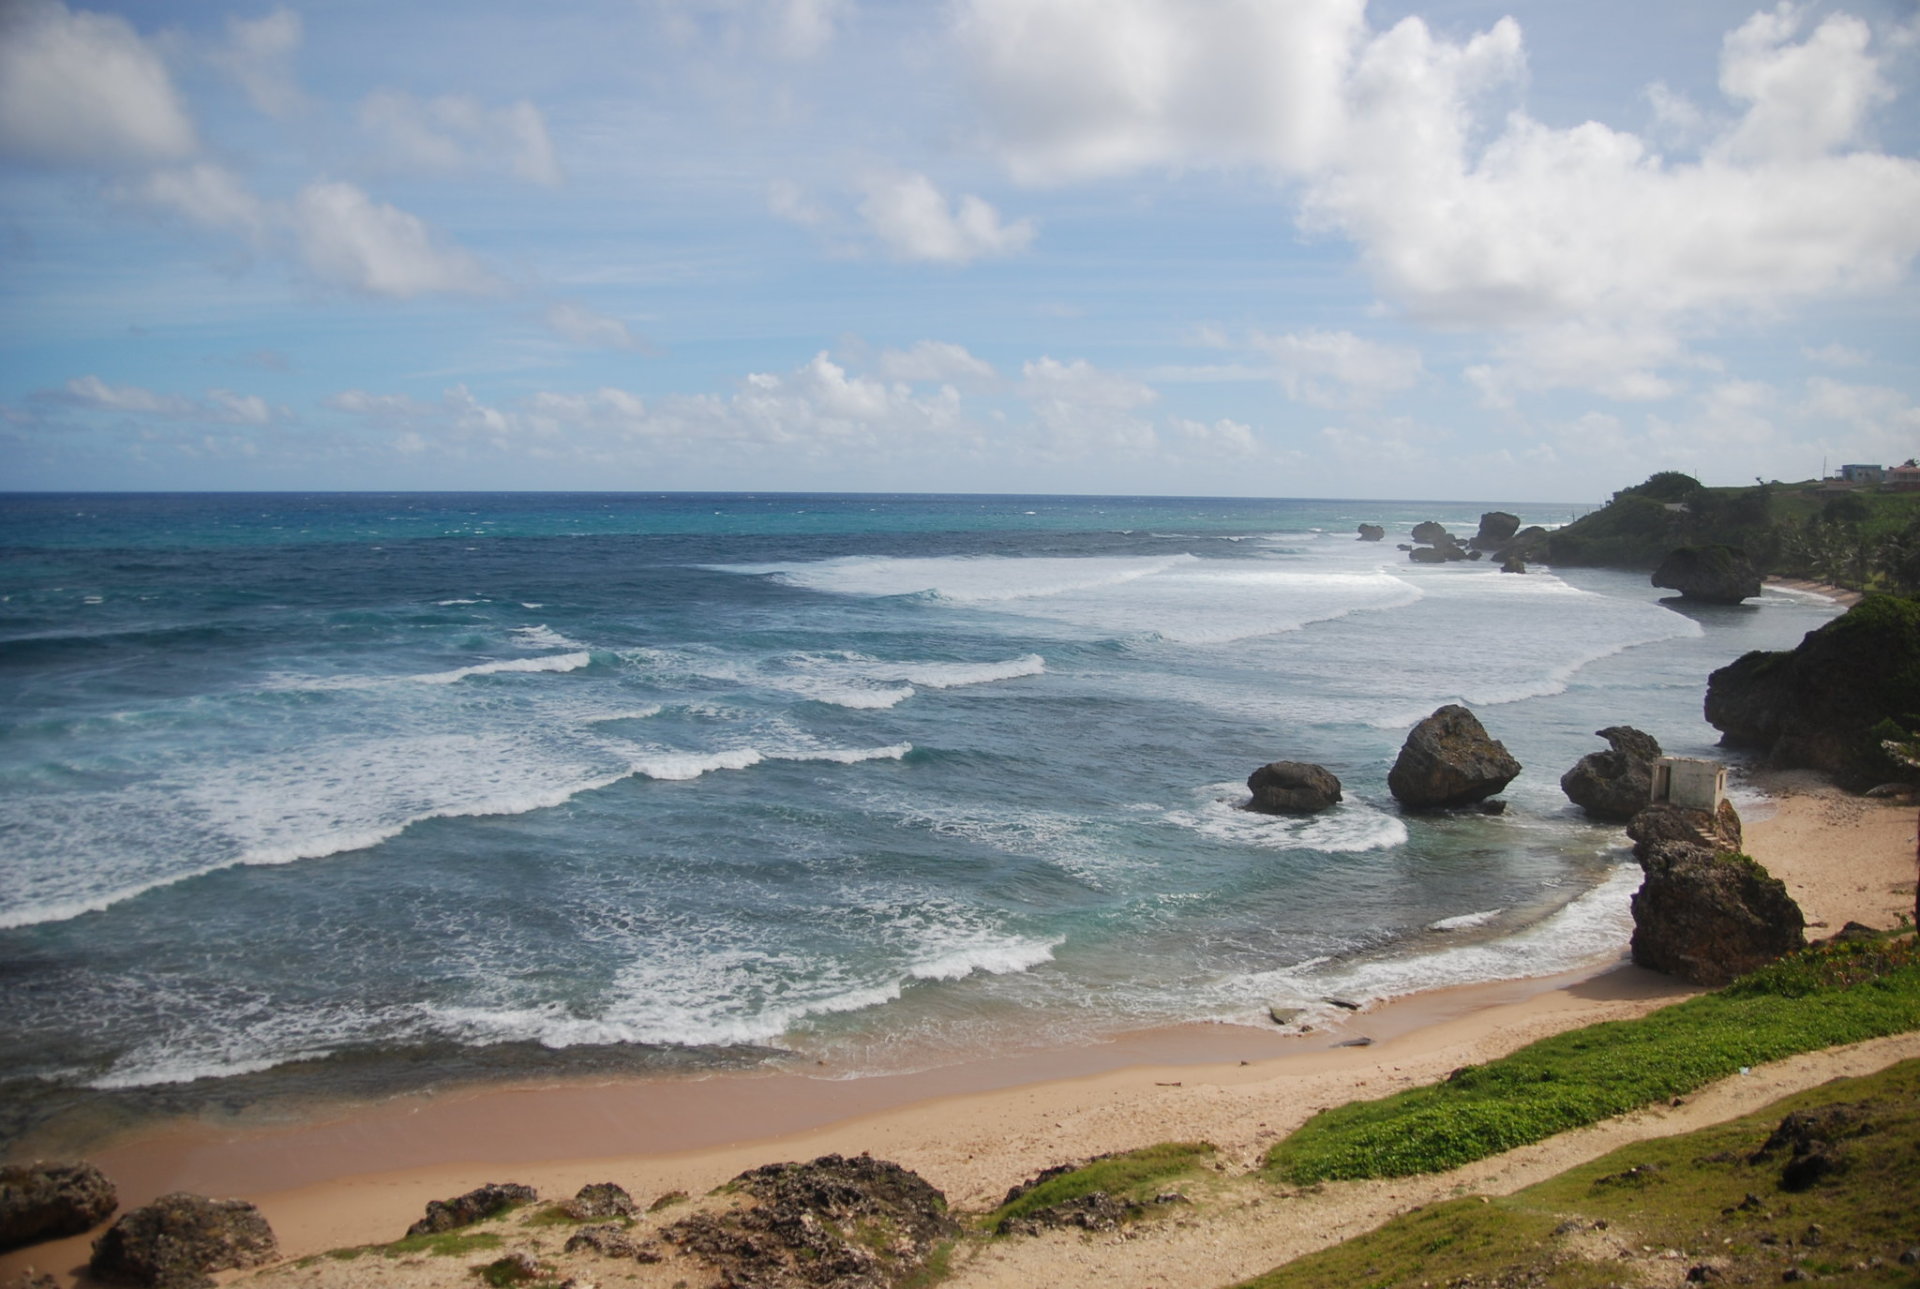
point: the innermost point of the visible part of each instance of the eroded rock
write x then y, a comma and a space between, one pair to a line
1293, 788
1712, 574
476, 1205
1372, 532
1717, 831
1710, 917
1615, 784
46, 1200
174, 1242
1497, 528
601, 1200
1449, 759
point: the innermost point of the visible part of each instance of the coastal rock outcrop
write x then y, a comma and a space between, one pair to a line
1616, 784
1436, 545
1513, 564
598, 1201
477, 1205
1372, 532
1293, 788
174, 1242
1711, 574
858, 1223
1823, 704
1709, 917
1449, 759
1431, 532
1497, 528
46, 1200
1718, 831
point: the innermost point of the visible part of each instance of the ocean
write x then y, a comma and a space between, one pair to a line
383, 789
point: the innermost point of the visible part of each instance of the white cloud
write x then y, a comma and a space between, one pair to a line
217, 405
1804, 100
456, 133
259, 55
1087, 410
1622, 362
1338, 368
582, 326
789, 201
1878, 421
803, 28
1222, 436
348, 239
83, 88
1836, 354
205, 194
1075, 89
935, 361
914, 221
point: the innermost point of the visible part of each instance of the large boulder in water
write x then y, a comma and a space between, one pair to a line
1449, 759
1372, 532
174, 1242
858, 1223
45, 1201
1709, 917
1714, 574
1617, 784
1497, 528
1293, 788
1431, 532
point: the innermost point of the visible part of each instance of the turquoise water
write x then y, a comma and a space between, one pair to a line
879, 781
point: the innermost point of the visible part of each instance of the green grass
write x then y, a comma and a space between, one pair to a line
1820, 998
1126, 1177
1687, 1194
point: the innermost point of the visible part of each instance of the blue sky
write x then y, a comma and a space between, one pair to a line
1238, 247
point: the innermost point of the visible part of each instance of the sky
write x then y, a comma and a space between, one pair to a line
1290, 248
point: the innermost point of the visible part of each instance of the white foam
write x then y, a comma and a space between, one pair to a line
546, 662
993, 959
1349, 828
447, 604
691, 765
544, 637
1465, 921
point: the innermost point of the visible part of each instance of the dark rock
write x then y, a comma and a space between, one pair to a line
1616, 784
45, 1200
1449, 759
516, 1268
1402, 546
1852, 931
1015, 1191
835, 1222
611, 1240
476, 1205
1705, 1274
1662, 821
600, 1200
1293, 788
1530, 543
1427, 555
175, 1241
1497, 528
1713, 574
1710, 917
1285, 1015
1431, 533
667, 1201
1371, 532
1513, 564
1097, 1211
1819, 705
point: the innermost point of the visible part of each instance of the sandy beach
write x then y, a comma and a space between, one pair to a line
360, 1175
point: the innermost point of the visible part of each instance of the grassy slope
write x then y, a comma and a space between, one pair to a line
1820, 998
1668, 1205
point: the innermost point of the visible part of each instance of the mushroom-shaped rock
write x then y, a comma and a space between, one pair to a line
45, 1200
1708, 917
174, 1242
1713, 574
1293, 788
1449, 759
1497, 528
1617, 784
1372, 532
1431, 532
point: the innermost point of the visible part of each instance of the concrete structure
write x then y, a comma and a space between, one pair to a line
1689, 781
1863, 473
1905, 478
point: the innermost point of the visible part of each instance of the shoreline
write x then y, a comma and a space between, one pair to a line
359, 1173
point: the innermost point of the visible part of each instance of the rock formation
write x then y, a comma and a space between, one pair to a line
1497, 528
1449, 759
1372, 532
1712, 574
1708, 916
599, 1201
44, 1201
1513, 564
846, 1223
1431, 532
1435, 544
174, 1242
476, 1205
1662, 821
1293, 788
1617, 784
1818, 705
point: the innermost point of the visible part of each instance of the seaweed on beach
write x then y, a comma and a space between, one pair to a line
1824, 996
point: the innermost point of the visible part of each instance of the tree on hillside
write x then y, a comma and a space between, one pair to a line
1666, 485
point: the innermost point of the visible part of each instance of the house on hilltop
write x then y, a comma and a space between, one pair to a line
1904, 478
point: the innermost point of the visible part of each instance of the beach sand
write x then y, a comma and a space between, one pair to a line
360, 1175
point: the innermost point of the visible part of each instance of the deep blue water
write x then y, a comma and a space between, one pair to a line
879, 780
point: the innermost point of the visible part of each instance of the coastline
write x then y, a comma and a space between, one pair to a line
358, 1174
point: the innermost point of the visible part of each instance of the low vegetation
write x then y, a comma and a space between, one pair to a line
1728, 1204
1130, 1178
1822, 997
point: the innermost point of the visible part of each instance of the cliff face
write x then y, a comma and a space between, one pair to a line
1823, 705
